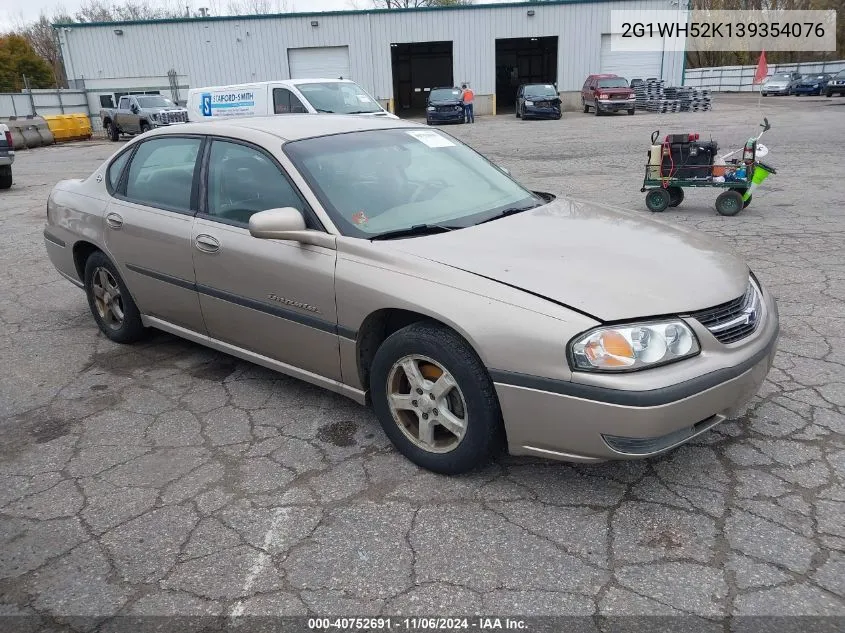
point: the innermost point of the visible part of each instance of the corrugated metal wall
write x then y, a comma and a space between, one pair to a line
211, 52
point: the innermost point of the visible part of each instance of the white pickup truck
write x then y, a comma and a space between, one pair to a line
7, 156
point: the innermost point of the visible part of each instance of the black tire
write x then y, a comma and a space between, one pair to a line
112, 132
484, 431
631, 112
828, 94
729, 202
131, 329
657, 200
676, 196
586, 108
596, 106
5, 176
145, 127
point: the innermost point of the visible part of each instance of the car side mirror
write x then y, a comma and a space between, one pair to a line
287, 223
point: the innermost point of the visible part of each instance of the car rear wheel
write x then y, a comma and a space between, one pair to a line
5, 176
112, 132
586, 108
111, 304
435, 400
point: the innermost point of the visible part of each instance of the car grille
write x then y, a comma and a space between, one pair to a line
732, 321
174, 117
618, 96
455, 108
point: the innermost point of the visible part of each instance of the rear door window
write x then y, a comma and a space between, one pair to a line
285, 102
161, 173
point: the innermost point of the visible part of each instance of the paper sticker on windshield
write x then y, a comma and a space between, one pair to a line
364, 99
432, 139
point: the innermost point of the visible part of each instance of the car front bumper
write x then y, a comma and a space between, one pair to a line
536, 112
780, 90
578, 422
615, 105
454, 116
808, 90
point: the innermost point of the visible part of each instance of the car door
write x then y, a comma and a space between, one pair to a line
148, 228
272, 297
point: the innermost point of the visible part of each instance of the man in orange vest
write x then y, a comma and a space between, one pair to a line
468, 96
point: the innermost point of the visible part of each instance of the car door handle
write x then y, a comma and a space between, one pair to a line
114, 220
206, 243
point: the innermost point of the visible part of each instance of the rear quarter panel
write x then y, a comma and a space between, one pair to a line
75, 211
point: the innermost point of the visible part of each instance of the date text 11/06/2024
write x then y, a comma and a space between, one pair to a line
417, 624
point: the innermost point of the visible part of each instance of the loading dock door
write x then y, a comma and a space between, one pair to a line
417, 68
630, 65
329, 62
523, 60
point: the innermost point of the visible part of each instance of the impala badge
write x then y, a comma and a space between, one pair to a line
294, 304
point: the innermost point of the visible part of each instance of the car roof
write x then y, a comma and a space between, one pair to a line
289, 127
283, 82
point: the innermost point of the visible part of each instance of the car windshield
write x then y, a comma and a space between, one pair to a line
377, 181
781, 77
338, 97
155, 102
540, 90
445, 94
613, 82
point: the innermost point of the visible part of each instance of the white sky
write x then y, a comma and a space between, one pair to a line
15, 12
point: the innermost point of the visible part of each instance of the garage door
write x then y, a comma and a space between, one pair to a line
639, 64
330, 62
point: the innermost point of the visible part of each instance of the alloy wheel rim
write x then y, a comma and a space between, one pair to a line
427, 404
108, 299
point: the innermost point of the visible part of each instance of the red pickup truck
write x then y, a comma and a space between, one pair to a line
607, 93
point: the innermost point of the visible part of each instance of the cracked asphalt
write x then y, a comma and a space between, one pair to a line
168, 479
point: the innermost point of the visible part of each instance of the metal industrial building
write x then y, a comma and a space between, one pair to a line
396, 55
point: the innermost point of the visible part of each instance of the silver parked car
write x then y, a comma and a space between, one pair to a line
391, 263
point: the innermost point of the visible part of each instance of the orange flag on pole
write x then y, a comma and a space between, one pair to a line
762, 69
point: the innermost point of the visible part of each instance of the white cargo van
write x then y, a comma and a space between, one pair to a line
337, 96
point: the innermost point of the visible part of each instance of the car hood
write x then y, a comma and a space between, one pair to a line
609, 264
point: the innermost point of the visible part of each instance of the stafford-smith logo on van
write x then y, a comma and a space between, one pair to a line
227, 104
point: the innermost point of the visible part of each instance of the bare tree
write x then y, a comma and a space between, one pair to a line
414, 4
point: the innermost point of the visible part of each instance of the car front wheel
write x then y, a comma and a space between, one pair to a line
111, 304
435, 400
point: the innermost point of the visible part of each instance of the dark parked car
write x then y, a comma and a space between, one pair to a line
445, 105
537, 101
811, 85
836, 84
607, 93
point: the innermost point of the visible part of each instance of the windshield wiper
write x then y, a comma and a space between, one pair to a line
417, 229
361, 111
510, 211
324, 111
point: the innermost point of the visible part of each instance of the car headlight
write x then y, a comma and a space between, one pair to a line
529, 103
633, 346
431, 108
632, 96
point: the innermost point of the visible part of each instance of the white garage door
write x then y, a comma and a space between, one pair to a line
639, 64
330, 62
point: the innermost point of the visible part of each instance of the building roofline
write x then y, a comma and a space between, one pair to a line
314, 14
